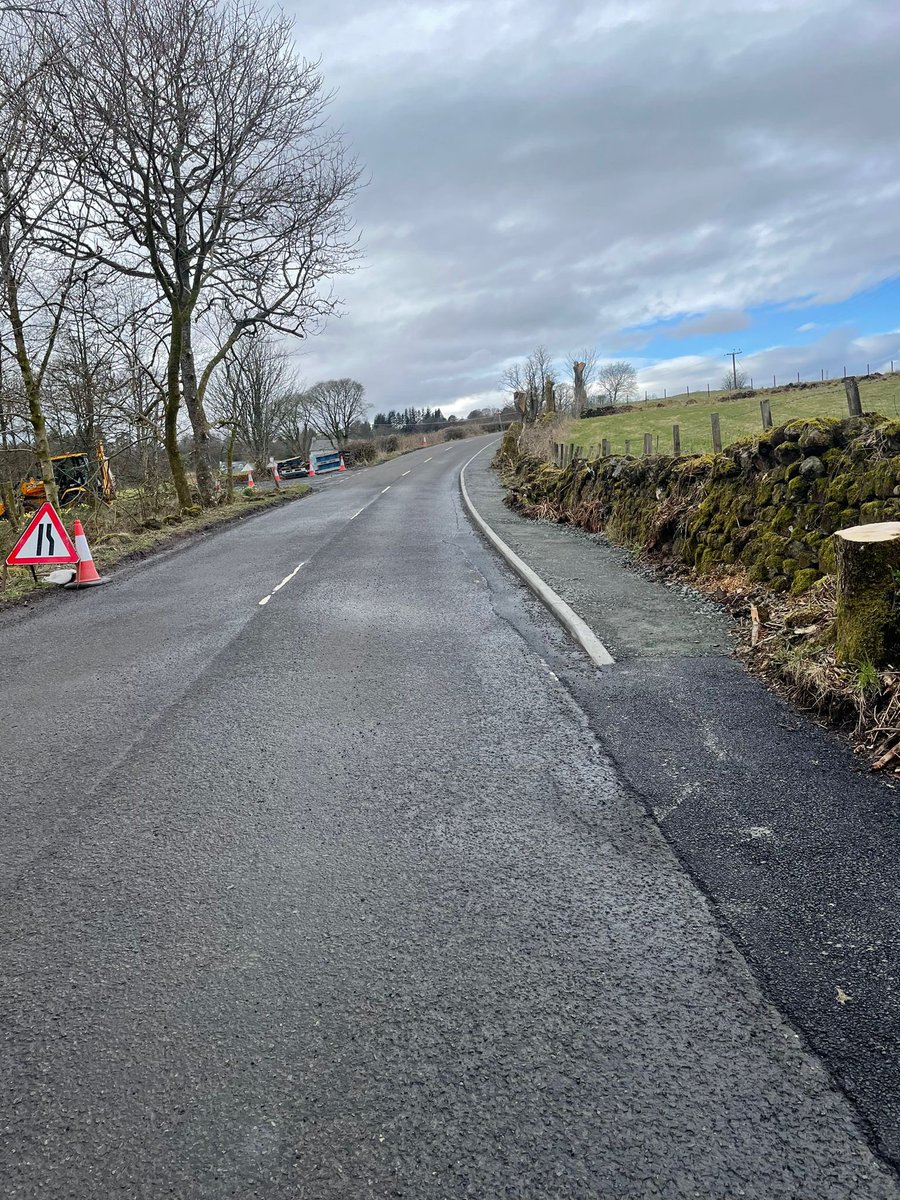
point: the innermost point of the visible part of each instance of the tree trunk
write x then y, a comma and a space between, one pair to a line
549, 396
868, 613
30, 383
173, 403
197, 414
580, 397
10, 505
229, 488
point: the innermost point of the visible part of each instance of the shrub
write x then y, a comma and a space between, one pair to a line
359, 452
454, 435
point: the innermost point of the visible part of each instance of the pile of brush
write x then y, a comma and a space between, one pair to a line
790, 642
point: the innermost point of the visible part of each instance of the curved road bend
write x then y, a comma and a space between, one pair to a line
337, 896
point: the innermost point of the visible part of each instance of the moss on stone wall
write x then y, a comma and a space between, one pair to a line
768, 505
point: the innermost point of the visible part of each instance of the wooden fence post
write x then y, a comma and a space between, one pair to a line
853, 401
648, 443
765, 409
716, 434
627, 447
605, 447
676, 440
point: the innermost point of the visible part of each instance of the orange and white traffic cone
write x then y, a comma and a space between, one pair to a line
312, 468
342, 467
85, 572
250, 482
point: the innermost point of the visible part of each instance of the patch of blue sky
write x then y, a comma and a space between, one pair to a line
873, 311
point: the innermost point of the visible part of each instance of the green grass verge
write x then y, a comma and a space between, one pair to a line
738, 418
116, 537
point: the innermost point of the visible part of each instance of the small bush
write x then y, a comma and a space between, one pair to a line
390, 445
359, 452
249, 492
455, 435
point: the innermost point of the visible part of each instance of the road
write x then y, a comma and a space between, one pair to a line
317, 882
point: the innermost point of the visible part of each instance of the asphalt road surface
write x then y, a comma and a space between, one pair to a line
338, 895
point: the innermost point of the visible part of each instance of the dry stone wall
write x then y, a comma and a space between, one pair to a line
768, 504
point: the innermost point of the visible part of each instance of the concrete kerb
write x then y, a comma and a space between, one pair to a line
567, 617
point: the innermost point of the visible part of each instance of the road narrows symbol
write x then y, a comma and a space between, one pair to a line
44, 541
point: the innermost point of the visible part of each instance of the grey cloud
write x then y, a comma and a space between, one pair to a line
715, 322
563, 173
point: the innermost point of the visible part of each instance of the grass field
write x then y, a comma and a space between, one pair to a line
738, 418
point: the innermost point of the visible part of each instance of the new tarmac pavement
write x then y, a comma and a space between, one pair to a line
322, 877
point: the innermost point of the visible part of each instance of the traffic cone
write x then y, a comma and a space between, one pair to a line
250, 482
312, 469
85, 571
342, 467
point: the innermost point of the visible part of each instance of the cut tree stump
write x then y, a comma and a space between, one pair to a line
868, 593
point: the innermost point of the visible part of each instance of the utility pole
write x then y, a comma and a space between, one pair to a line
732, 354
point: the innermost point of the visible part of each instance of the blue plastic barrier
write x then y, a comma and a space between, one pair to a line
322, 463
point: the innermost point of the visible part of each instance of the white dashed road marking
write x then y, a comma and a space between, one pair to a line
287, 579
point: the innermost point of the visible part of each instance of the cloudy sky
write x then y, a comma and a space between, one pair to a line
663, 180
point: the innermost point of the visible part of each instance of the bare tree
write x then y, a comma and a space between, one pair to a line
565, 399
735, 380
528, 381
297, 430
202, 150
618, 382
251, 397
82, 384
335, 406
35, 283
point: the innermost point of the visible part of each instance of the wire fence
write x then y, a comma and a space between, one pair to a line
700, 424
759, 382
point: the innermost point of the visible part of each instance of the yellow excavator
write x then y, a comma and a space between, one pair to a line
74, 484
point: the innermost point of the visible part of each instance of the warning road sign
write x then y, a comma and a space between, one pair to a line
44, 541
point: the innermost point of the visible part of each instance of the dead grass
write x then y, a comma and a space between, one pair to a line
117, 534
539, 439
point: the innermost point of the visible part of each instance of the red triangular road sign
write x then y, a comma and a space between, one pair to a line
44, 541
